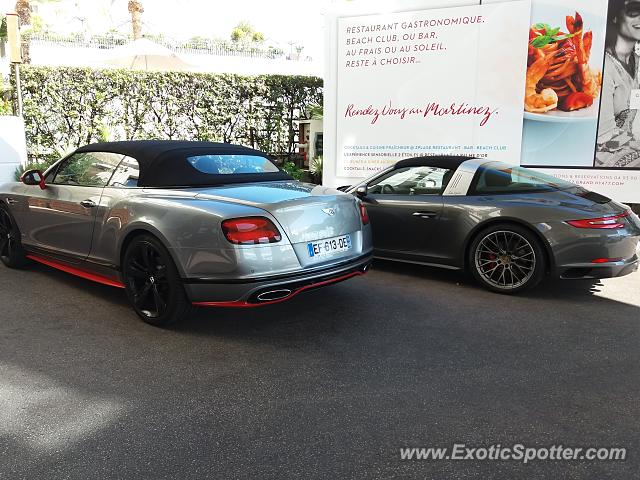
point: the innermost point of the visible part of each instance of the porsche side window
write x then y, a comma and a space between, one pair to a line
126, 175
498, 178
412, 181
87, 169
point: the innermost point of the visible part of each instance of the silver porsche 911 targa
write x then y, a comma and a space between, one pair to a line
509, 226
178, 224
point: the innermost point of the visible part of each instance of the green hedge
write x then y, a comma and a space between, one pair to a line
68, 107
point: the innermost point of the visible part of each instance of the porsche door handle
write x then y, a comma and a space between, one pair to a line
425, 214
11, 201
88, 204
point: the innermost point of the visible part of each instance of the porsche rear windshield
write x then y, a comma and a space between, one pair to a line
231, 164
497, 177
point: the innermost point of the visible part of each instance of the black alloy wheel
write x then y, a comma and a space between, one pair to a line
152, 282
507, 259
11, 252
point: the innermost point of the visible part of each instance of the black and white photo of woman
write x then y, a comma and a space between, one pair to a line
618, 144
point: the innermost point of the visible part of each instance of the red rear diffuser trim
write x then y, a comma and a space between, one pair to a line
77, 272
243, 304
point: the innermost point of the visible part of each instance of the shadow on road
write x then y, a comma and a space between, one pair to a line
338, 304
549, 287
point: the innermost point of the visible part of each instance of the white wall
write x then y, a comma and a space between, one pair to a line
13, 147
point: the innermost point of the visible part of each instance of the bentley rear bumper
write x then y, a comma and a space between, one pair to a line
264, 291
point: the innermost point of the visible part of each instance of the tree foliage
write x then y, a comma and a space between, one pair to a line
68, 107
136, 10
245, 33
5, 104
23, 9
3, 28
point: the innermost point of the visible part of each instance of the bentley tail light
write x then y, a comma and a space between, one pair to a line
364, 216
250, 231
609, 222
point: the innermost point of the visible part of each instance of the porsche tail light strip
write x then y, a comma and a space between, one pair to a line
607, 260
250, 231
75, 271
244, 304
364, 215
609, 222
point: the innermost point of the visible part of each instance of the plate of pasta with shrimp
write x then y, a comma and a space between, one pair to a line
561, 85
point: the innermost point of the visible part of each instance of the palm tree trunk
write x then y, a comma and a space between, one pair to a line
23, 9
136, 10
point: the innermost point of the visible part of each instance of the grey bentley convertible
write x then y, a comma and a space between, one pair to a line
178, 224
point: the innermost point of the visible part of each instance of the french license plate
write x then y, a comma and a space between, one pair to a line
329, 246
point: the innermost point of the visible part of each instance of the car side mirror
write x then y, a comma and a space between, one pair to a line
33, 177
361, 191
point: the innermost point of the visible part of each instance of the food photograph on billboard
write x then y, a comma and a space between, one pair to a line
582, 94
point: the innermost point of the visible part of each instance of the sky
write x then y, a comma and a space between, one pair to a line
281, 21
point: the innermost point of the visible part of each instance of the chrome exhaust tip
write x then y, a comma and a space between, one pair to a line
272, 295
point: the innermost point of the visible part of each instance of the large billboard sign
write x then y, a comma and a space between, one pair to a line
552, 85
448, 94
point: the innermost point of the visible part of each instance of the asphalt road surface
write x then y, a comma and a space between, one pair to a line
329, 385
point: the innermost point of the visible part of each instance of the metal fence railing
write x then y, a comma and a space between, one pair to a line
207, 47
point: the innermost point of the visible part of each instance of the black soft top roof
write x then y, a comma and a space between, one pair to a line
163, 162
438, 161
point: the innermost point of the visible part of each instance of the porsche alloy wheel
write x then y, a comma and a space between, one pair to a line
152, 282
507, 259
11, 251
